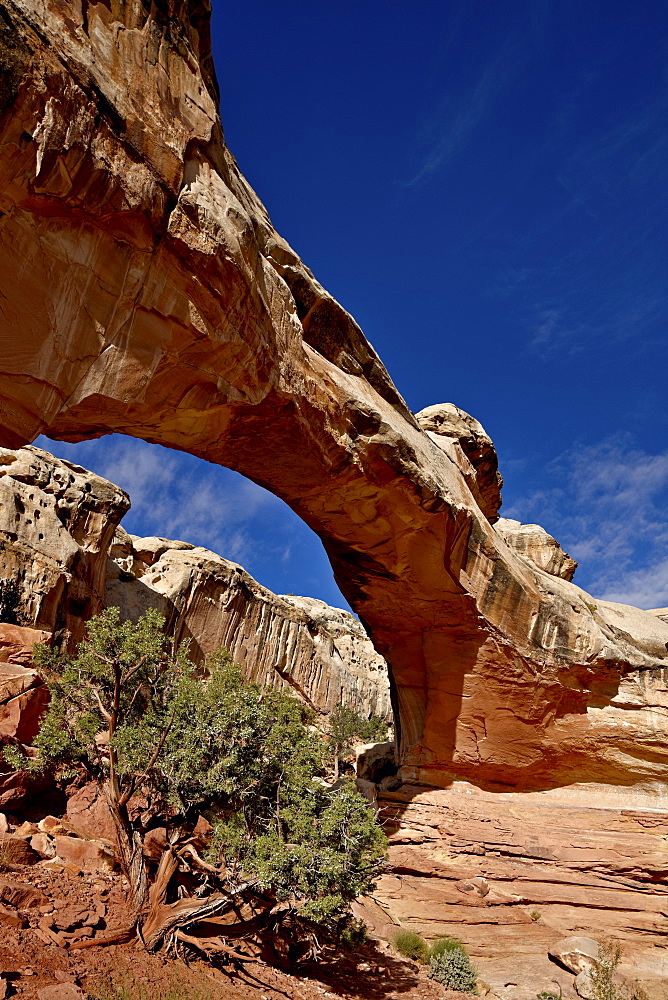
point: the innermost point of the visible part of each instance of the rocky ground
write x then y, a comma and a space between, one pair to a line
512, 874
45, 909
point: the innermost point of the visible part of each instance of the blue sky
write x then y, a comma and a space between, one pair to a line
484, 187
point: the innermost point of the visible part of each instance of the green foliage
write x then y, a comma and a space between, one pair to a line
546, 995
352, 933
602, 985
12, 606
452, 967
441, 945
346, 726
411, 945
535, 915
134, 712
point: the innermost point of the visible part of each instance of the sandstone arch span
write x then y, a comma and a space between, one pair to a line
144, 290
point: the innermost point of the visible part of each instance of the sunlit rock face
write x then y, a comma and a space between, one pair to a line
465, 440
145, 291
57, 521
321, 654
534, 543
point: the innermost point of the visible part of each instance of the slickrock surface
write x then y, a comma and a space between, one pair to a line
145, 291
511, 874
534, 543
56, 524
321, 653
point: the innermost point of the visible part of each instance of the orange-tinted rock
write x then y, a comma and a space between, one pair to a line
17, 851
534, 543
201, 329
88, 855
10, 918
20, 895
560, 864
23, 694
467, 442
88, 813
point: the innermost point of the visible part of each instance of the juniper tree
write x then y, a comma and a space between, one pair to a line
133, 712
347, 725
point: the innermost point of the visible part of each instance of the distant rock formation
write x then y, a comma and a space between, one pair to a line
59, 537
57, 521
323, 654
145, 291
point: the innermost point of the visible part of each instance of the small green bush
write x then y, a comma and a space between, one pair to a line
411, 945
452, 967
444, 944
353, 933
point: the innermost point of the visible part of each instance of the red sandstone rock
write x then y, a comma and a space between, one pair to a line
89, 855
17, 851
11, 918
20, 895
23, 694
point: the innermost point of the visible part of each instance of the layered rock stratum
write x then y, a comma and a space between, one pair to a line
145, 291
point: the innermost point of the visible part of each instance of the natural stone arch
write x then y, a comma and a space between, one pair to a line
144, 291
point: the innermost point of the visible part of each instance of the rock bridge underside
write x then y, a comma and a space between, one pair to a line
144, 291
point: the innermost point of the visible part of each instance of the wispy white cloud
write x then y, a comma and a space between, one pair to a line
178, 497
606, 504
609, 283
456, 115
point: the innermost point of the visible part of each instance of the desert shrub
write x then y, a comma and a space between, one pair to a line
452, 967
411, 945
134, 713
441, 945
352, 933
602, 976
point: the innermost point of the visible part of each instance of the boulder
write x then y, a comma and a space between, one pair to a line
17, 851
88, 855
575, 953
20, 895
375, 761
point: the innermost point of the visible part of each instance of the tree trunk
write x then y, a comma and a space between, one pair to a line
130, 854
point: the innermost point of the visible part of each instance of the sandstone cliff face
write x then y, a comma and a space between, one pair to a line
23, 694
510, 874
56, 523
322, 654
203, 330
